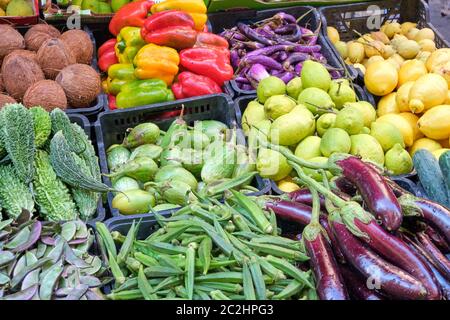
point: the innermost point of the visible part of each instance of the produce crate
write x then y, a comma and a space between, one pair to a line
123, 224
111, 126
98, 104
23, 21
227, 20
364, 17
83, 122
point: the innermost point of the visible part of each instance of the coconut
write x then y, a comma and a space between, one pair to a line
53, 56
19, 73
47, 94
4, 99
11, 40
38, 34
26, 53
2, 87
80, 45
81, 83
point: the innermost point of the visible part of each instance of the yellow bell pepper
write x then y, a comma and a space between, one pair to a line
196, 8
129, 41
157, 62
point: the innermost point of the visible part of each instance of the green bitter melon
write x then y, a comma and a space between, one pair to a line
61, 122
15, 196
52, 196
42, 126
18, 139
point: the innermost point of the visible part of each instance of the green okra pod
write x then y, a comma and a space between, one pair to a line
144, 286
258, 279
218, 295
249, 289
204, 254
254, 211
189, 275
127, 244
108, 241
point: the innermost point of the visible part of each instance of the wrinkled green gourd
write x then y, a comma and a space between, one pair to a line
42, 125
14, 194
61, 122
52, 196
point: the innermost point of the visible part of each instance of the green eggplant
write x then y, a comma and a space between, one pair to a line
192, 160
244, 162
173, 172
212, 128
144, 133
124, 184
147, 150
142, 169
176, 125
133, 202
170, 156
117, 155
176, 192
220, 165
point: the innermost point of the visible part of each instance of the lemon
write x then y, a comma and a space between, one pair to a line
315, 174
253, 114
289, 129
278, 105
381, 78
335, 140
398, 160
316, 100
435, 123
287, 185
333, 34
368, 148
437, 153
402, 125
367, 110
309, 148
350, 119
412, 119
428, 91
424, 143
402, 97
325, 122
411, 70
386, 134
272, 165
387, 104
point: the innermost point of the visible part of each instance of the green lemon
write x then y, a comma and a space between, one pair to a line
368, 148
309, 148
291, 128
387, 134
335, 140
325, 122
350, 119
278, 105
341, 93
294, 87
253, 114
398, 160
272, 165
367, 110
316, 100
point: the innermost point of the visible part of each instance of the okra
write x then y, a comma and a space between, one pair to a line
226, 277
182, 292
160, 271
166, 248
173, 233
145, 259
189, 271
278, 251
215, 264
144, 286
290, 290
220, 231
204, 254
167, 261
226, 247
187, 240
230, 184
254, 211
218, 295
226, 287
118, 237
278, 241
273, 222
258, 279
168, 283
290, 270
126, 295
127, 245
133, 264
270, 270
115, 270
202, 295
249, 289
236, 297
202, 213
240, 223
106, 238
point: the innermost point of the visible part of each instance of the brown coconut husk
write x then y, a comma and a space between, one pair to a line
4, 99
81, 83
26, 53
38, 34
80, 44
47, 94
53, 56
2, 87
19, 73
11, 40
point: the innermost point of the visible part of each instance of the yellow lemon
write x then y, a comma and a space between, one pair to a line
424, 143
333, 34
413, 119
387, 104
402, 125
435, 123
381, 78
437, 153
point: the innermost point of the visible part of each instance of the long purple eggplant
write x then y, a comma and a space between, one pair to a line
377, 195
356, 285
383, 275
437, 239
438, 259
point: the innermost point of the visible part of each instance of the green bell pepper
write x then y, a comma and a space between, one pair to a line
129, 41
118, 75
143, 92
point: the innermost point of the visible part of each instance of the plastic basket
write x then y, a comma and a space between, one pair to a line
83, 122
369, 16
148, 224
111, 126
225, 20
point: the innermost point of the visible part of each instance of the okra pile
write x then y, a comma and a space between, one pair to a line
156, 170
48, 261
52, 170
208, 250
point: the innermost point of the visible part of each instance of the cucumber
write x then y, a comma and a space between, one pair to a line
431, 176
444, 163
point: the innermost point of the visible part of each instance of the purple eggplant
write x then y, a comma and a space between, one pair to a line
268, 51
267, 62
257, 72
437, 258
356, 285
253, 35
307, 49
285, 29
378, 272
437, 239
295, 58
286, 76
344, 185
298, 68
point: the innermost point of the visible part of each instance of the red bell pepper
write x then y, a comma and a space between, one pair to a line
174, 37
107, 55
169, 18
207, 62
112, 102
213, 41
132, 14
193, 85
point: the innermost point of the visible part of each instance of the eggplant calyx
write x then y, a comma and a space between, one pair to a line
350, 212
409, 207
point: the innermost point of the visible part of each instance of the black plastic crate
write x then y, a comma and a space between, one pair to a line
311, 19
83, 122
148, 224
364, 17
111, 126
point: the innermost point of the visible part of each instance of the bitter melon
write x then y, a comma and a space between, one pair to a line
61, 122
42, 125
66, 166
52, 196
18, 139
14, 194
